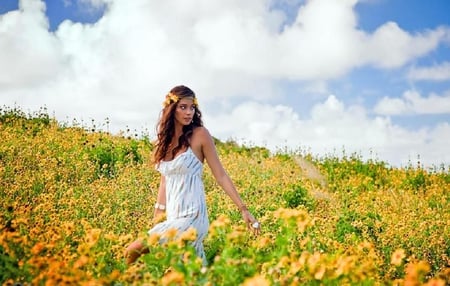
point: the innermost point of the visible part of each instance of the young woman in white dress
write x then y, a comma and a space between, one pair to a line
183, 144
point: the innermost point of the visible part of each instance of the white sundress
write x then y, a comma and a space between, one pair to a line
185, 198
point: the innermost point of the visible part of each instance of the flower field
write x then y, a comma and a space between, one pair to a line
72, 199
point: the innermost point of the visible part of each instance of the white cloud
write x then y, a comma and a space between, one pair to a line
324, 36
175, 38
391, 47
413, 103
121, 66
29, 54
331, 128
439, 72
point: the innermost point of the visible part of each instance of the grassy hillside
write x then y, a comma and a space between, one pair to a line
72, 199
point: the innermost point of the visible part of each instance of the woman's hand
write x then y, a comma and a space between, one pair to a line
251, 222
158, 216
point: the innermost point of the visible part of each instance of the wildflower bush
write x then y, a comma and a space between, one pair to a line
73, 198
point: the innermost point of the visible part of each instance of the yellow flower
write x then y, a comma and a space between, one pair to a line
189, 235
159, 218
195, 102
171, 233
93, 236
262, 242
172, 278
153, 239
170, 98
344, 265
257, 280
435, 282
218, 225
283, 262
313, 261
397, 257
416, 271
296, 266
236, 236
83, 260
320, 272
221, 221
37, 248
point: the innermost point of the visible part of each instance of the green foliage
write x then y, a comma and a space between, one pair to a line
416, 179
231, 146
9, 267
107, 155
347, 167
31, 122
352, 226
296, 196
18, 116
9, 262
345, 226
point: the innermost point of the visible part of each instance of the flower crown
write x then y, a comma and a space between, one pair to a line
173, 98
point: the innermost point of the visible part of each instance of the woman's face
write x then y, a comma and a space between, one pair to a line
185, 110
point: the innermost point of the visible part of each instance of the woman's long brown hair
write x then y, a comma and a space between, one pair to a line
166, 126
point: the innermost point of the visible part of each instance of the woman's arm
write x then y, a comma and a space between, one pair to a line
221, 176
160, 205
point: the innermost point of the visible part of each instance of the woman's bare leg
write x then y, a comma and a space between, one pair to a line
135, 250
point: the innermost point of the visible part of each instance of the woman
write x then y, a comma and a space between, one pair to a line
183, 144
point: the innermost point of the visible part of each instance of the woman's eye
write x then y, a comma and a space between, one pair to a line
184, 107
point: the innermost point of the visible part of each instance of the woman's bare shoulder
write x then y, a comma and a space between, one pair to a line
201, 138
201, 132
200, 141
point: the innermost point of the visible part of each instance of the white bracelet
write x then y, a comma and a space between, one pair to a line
160, 206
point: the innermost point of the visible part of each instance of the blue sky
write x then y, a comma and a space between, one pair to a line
60, 10
370, 76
